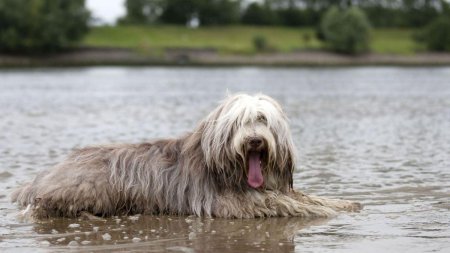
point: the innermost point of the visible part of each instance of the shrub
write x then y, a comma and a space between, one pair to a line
437, 34
260, 43
29, 26
346, 31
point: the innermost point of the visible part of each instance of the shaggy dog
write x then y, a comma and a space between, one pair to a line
237, 163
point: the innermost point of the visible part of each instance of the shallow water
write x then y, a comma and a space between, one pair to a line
380, 136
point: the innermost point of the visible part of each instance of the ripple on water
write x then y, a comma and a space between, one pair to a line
377, 135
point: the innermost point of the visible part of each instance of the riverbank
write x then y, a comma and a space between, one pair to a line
209, 57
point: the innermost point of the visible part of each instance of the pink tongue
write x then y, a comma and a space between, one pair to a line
255, 177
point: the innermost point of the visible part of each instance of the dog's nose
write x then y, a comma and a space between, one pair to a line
255, 142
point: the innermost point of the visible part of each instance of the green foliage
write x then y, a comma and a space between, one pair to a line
292, 17
142, 11
260, 43
437, 34
41, 25
346, 31
258, 14
209, 12
398, 13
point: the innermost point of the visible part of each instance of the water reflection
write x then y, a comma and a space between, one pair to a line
161, 233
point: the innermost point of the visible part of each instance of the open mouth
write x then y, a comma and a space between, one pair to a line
255, 178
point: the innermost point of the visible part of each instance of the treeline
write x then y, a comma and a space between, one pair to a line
387, 13
36, 26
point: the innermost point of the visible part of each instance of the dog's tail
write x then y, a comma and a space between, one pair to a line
22, 195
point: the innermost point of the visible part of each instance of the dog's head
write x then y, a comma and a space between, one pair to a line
247, 138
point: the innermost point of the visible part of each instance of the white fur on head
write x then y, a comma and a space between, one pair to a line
240, 117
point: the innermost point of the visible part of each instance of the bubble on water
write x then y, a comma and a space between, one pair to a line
54, 231
152, 230
181, 249
106, 237
61, 239
73, 244
45, 243
85, 242
136, 239
134, 217
125, 237
74, 225
95, 229
192, 235
77, 238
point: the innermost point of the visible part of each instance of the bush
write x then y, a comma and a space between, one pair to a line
437, 34
346, 31
29, 26
260, 43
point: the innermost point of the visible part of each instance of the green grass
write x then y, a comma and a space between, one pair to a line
233, 39
394, 41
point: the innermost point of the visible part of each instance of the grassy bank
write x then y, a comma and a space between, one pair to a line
235, 39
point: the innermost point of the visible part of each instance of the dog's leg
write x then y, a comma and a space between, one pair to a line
266, 204
335, 204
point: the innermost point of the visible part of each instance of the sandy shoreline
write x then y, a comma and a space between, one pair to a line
209, 57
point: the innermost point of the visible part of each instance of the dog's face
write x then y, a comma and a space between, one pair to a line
248, 138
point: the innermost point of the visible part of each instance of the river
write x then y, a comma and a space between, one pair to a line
377, 135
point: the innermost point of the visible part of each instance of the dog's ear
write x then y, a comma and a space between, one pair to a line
289, 165
288, 170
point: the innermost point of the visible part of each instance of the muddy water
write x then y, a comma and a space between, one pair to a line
380, 136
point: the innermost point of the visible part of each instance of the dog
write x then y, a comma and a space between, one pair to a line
237, 163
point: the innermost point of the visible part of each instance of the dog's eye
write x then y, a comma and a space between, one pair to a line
261, 118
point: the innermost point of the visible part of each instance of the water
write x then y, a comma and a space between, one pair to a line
380, 136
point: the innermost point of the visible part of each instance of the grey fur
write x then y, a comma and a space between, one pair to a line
202, 173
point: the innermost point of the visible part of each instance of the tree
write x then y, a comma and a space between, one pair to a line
258, 14
28, 26
437, 34
142, 11
346, 31
210, 12
292, 17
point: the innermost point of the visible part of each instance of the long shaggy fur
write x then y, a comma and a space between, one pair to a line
205, 172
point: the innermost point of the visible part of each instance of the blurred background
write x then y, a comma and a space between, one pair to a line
365, 84
226, 31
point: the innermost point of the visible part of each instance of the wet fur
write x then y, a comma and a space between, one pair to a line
202, 173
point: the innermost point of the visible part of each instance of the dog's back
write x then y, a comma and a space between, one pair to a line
103, 180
